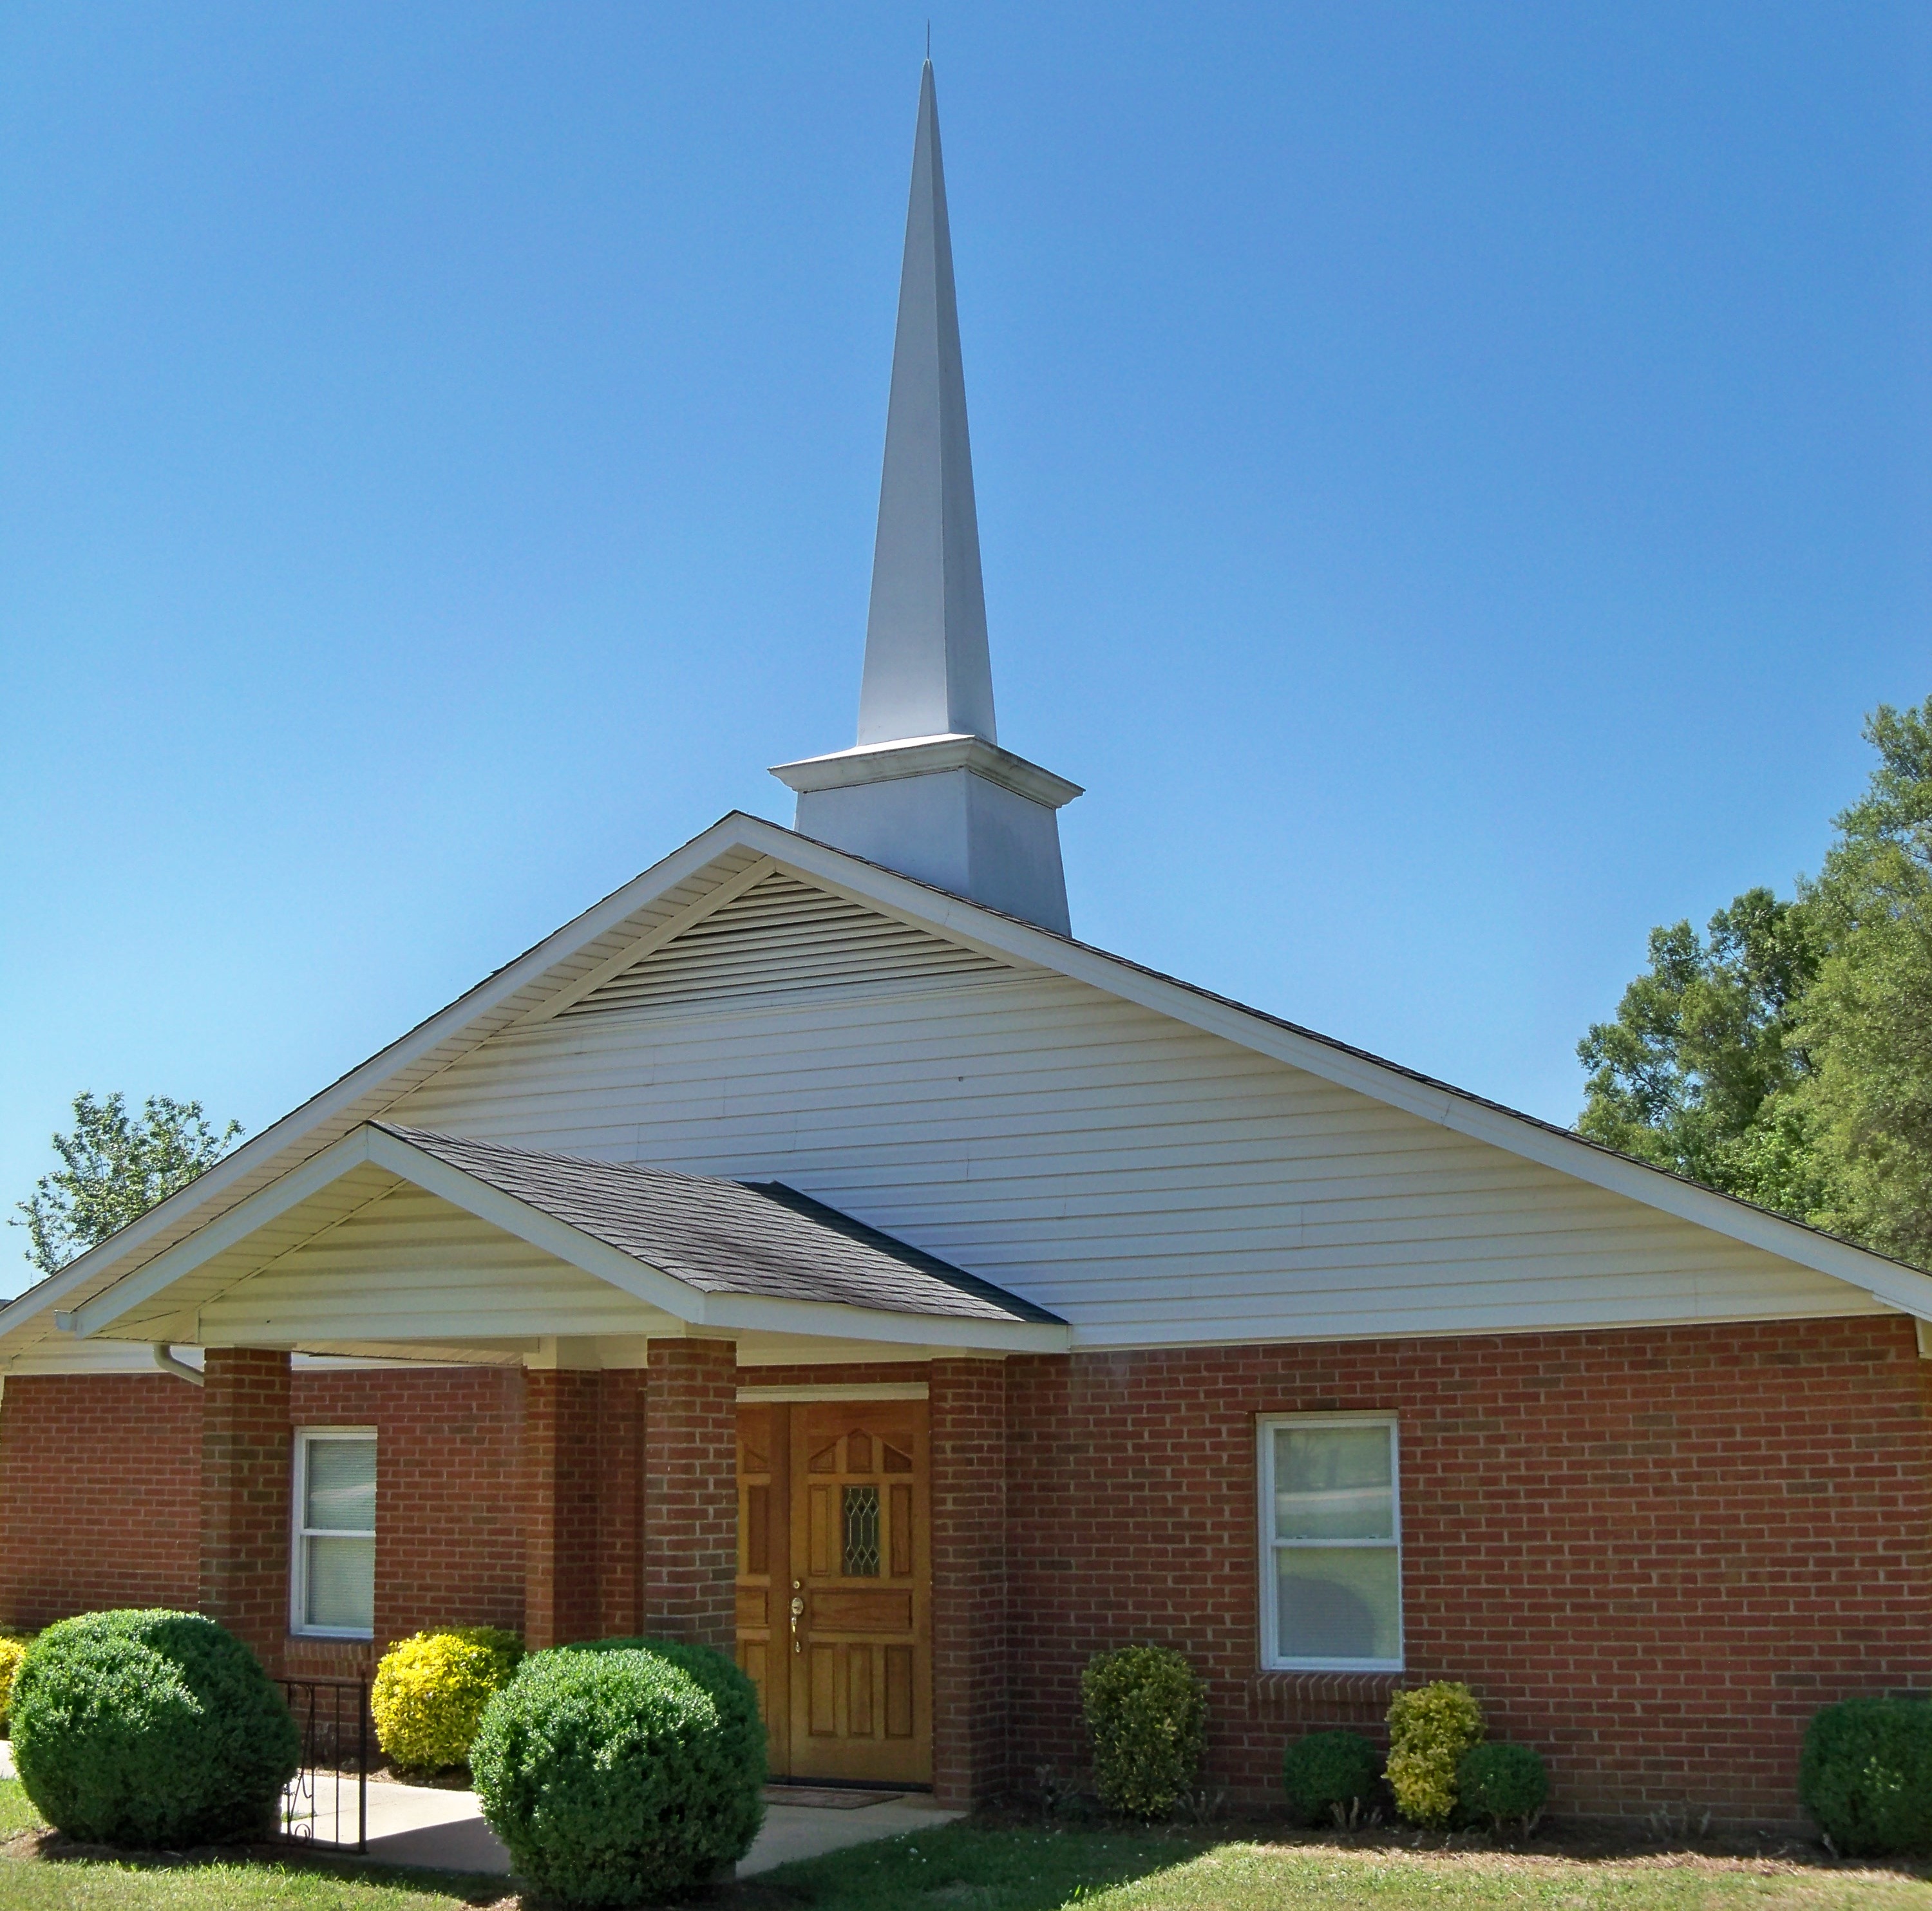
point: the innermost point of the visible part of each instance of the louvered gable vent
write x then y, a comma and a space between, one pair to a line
783, 937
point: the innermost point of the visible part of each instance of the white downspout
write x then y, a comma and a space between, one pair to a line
164, 1359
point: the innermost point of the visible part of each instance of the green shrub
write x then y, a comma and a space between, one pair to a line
1865, 1775
1147, 1714
625, 1771
1430, 1727
1502, 1785
1330, 1776
430, 1689
13, 1650
150, 1728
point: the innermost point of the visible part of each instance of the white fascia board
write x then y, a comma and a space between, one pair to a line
834, 1320
89, 1273
1885, 1279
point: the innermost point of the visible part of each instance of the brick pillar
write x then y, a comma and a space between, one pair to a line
970, 1647
246, 1483
620, 1503
691, 1491
560, 1483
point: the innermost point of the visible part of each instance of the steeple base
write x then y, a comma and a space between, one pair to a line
957, 812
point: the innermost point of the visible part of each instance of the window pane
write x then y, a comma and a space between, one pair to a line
341, 1588
1339, 1602
1333, 1483
861, 1532
341, 1486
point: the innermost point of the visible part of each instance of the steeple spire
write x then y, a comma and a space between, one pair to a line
927, 673
926, 789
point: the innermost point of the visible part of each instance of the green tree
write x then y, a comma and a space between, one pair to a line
1704, 1042
1867, 1018
114, 1167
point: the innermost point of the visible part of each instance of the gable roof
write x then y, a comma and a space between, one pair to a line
692, 1247
727, 1237
663, 904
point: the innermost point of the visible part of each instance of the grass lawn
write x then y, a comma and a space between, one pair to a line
969, 1868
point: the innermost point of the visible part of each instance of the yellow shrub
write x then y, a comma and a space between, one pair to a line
12, 1652
1429, 1729
430, 1691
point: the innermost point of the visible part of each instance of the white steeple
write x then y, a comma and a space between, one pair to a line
926, 789
927, 672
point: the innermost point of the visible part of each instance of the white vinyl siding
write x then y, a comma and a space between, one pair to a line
1331, 1543
332, 1582
1152, 1183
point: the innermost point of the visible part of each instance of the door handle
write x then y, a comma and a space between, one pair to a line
797, 1613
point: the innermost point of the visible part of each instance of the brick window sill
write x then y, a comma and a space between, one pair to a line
1290, 1696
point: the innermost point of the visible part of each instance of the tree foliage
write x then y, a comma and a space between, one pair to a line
114, 1167
1785, 1055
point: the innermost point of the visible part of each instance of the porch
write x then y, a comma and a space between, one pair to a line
775, 1432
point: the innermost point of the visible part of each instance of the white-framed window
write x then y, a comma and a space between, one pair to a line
1331, 1543
332, 1582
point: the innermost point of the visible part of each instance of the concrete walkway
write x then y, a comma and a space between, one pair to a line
418, 1824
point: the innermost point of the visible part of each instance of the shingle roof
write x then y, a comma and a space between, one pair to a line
728, 1237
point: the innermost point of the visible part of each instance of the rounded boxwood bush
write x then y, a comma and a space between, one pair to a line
430, 1689
624, 1772
1147, 1714
1865, 1774
1502, 1785
1330, 1776
150, 1728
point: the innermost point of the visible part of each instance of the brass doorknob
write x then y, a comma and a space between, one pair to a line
797, 1613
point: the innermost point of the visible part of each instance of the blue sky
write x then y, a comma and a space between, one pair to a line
1452, 479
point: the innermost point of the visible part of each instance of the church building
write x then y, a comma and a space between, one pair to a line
815, 1250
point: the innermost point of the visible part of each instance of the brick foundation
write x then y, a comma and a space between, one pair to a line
691, 1491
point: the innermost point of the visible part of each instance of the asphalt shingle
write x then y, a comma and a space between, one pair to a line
728, 1237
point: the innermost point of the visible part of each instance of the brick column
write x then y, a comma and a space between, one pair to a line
691, 1491
970, 1647
246, 1484
560, 1483
620, 1502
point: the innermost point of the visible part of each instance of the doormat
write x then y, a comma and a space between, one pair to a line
826, 1797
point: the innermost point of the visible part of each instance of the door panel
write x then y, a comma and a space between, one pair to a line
862, 1566
763, 1553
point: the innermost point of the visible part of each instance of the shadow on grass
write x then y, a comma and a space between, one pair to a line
270, 1867
989, 1869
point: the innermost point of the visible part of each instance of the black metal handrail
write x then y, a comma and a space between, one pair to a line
326, 1804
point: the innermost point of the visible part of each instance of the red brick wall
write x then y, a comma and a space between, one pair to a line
691, 1491
100, 1494
245, 1492
560, 1479
971, 1660
1653, 1553
449, 1514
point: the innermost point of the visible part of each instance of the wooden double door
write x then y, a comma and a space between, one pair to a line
835, 1586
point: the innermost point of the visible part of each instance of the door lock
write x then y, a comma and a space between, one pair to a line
797, 1613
